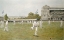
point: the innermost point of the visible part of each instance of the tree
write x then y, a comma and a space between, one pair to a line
30, 15
5, 17
37, 16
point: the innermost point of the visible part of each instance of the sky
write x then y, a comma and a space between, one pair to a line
23, 7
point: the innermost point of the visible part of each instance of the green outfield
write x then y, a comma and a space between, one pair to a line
24, 32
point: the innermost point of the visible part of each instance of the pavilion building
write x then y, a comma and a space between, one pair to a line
52, 13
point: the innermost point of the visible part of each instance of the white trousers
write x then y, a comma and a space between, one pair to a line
36, 29
6, 28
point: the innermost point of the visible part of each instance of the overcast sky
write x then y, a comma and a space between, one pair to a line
23, 7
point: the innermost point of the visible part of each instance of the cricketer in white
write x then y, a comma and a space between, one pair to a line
35, 26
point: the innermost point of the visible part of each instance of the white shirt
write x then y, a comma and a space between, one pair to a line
6, 22
35, 24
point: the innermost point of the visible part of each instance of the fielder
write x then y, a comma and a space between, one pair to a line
35, 25
6, 26
14, 22
2, 24
61, 23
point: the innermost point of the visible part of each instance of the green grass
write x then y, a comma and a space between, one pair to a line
24, 32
